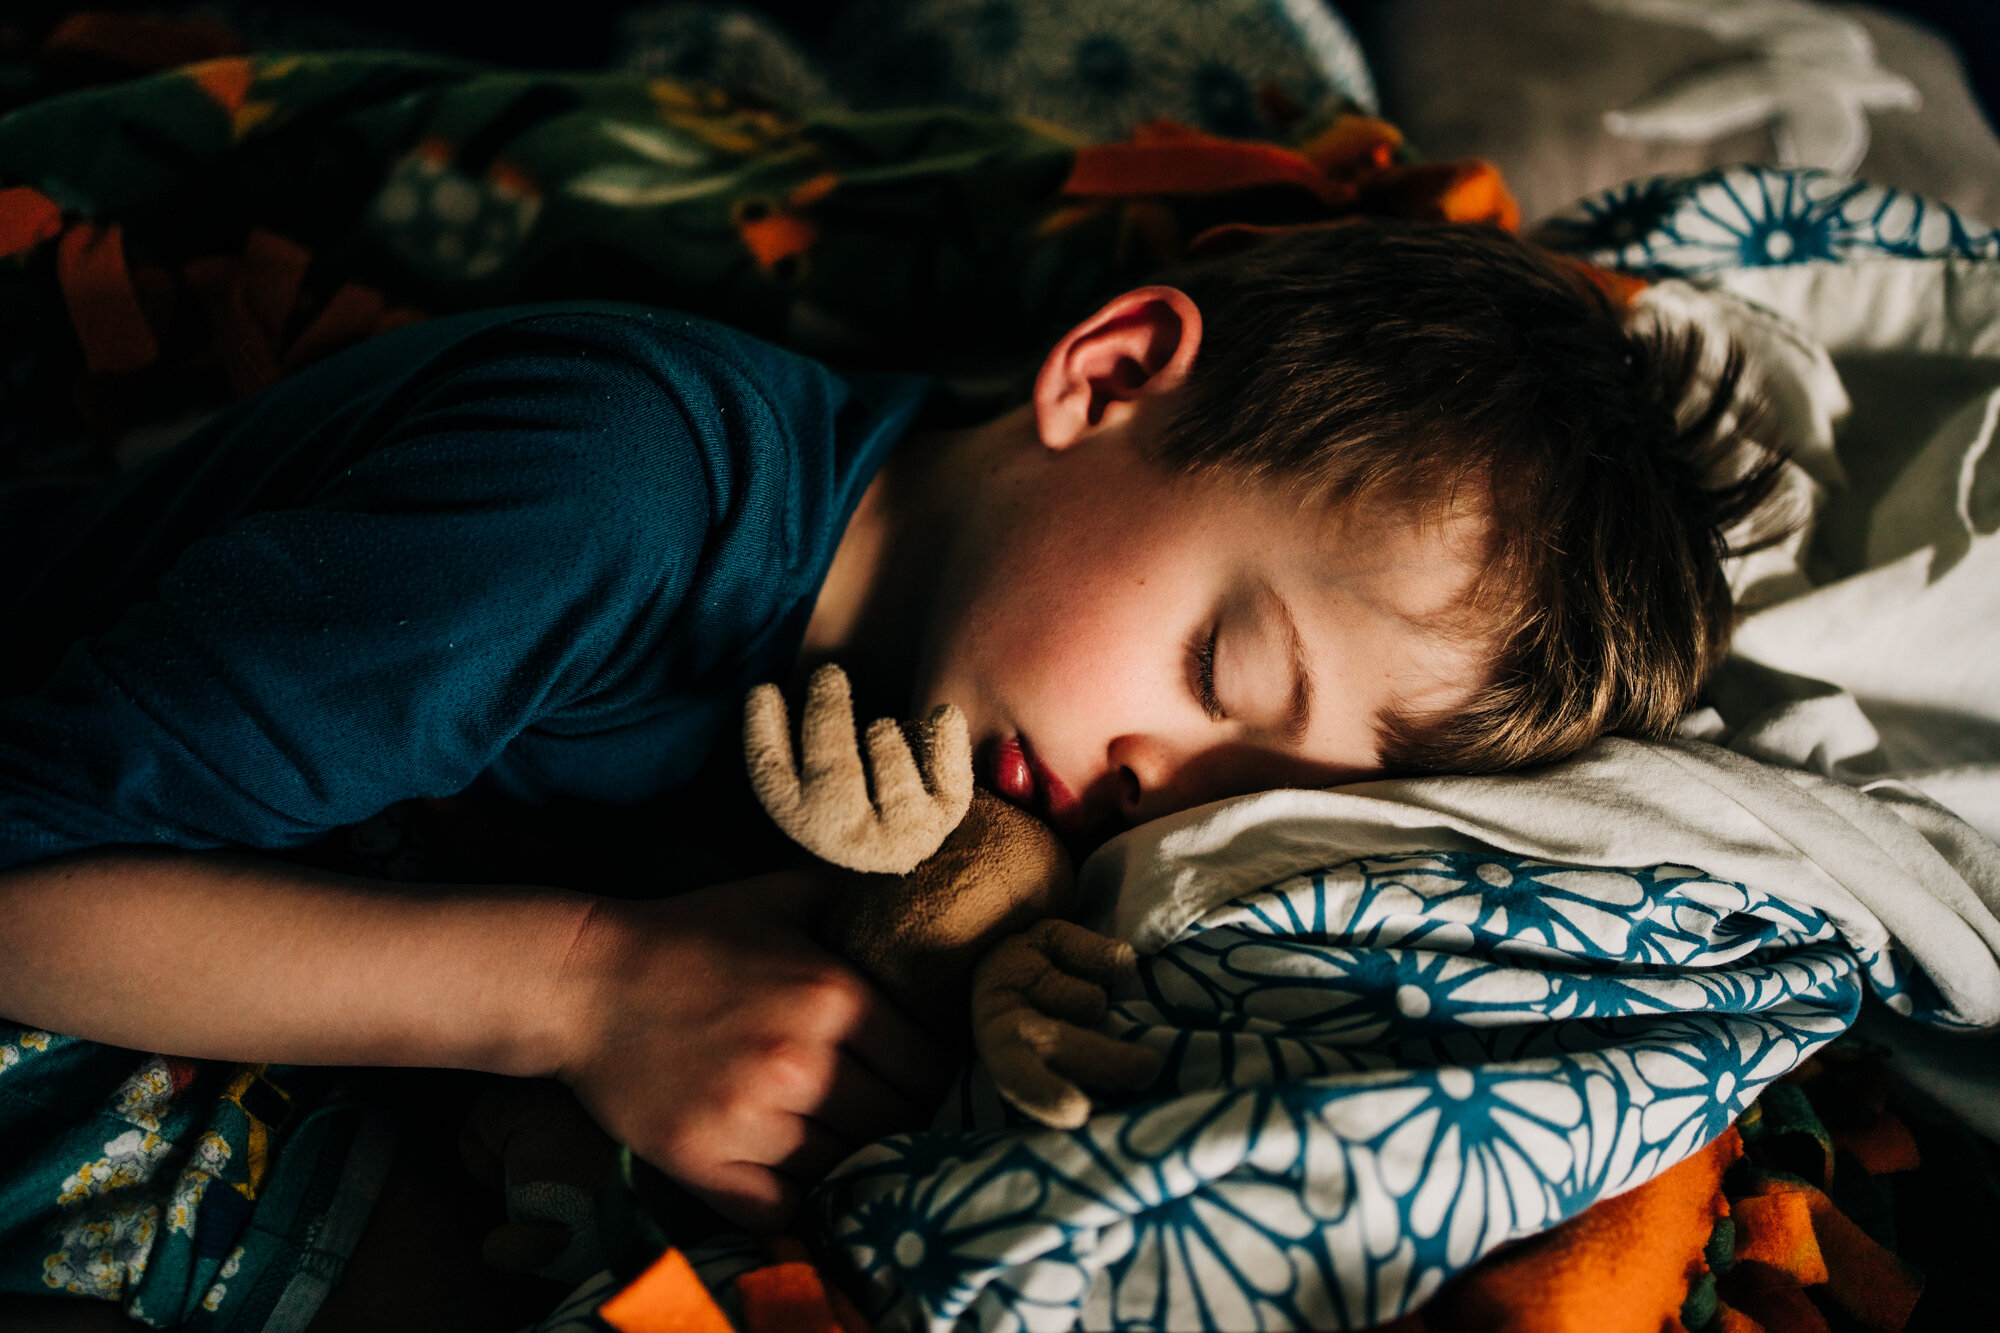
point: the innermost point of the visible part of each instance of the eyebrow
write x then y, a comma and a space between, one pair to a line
1298, 714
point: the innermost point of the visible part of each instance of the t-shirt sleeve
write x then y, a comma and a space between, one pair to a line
305, 667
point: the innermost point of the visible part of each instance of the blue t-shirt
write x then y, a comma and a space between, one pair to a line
542, 550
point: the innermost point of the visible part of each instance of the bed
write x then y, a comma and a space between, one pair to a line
1408, 1025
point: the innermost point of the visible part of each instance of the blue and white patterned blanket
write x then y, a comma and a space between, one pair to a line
1734, 218
1376, 1073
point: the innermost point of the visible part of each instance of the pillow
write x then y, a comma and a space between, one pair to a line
1102, 67
1527, 84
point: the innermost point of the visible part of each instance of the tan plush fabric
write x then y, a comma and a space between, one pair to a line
1036, 1002
919, 936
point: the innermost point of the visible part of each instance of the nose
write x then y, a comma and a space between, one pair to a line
1146, 773
1154, 777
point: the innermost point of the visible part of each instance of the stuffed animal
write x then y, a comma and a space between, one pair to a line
954, 904
958, 901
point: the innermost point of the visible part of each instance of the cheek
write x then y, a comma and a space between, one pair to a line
1059, 626
1070, 629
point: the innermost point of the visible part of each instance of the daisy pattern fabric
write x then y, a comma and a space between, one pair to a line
1375, 1074
1702, 226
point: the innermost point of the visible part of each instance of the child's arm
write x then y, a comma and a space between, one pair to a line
707, 1031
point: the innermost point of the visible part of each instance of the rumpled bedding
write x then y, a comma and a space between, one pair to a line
1403, 1022
1869, 645
1380, 1069
173, 241
1406, 1021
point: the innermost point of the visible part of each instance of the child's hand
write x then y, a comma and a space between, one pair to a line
730, 1050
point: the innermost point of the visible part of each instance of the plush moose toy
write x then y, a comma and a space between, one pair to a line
958, 902
954, 904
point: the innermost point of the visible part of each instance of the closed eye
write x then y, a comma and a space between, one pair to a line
1201, 672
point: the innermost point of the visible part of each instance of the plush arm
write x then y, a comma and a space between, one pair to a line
1036, 1001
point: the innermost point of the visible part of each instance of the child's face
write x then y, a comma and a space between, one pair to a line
1127, 643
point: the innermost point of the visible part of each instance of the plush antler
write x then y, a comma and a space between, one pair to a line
822, 799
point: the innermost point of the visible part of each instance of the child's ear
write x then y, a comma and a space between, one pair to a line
1141, 345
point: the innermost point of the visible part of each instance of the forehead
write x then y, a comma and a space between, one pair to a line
1419, 562
1391, 601
1424, 565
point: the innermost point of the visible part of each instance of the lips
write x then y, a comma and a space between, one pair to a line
1020, 777
1012, 777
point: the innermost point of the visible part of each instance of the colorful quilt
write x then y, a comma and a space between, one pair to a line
196, 1194
173, 241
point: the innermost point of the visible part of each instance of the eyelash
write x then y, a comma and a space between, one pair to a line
1201, 652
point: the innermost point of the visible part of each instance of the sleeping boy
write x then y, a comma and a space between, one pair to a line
1369, 498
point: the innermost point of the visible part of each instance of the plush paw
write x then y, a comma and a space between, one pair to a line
1036, 999
879, 815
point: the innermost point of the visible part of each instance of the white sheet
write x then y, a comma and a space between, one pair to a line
1885, 865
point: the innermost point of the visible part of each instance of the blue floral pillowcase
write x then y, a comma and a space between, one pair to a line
1697, 227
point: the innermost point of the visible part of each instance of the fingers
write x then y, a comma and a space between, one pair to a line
819, 1150
821, 801
753, 1196
1014, 1051
762, 1164
899, 790
1017, 972
914, 1065
1036, 997
1041, 1064
1057, 966
1057, 993
1098, 1061
767, 751
820, 796
734, 1052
